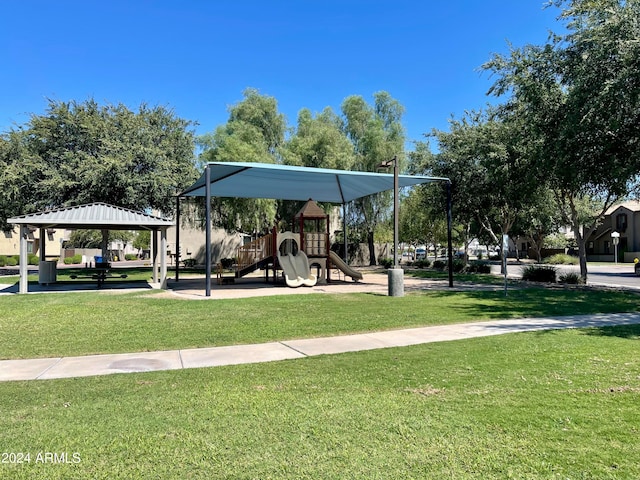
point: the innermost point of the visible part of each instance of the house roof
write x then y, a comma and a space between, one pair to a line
632, 205
94, 216
285, 182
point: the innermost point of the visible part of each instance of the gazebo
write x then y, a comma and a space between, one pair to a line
99, 216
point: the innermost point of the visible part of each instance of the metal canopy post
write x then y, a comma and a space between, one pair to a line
449, 241
344, 233
177, 238
207, 188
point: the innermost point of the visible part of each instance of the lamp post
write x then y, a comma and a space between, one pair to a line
615, 236
395, 274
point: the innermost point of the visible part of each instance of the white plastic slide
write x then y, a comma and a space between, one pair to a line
296, 270
346, 269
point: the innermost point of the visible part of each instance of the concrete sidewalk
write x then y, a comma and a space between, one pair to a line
66, 367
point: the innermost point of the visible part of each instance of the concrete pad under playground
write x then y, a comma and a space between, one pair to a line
50, 368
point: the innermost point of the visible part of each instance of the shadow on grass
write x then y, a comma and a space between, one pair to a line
538, 302
630, 332
77, 285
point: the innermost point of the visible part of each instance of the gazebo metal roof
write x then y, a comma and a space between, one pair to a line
93, 216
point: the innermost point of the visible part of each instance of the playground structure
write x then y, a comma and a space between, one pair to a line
296, 253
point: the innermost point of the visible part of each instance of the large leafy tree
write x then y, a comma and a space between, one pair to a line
377, 135
22, 172
486, 156
82, 152
319, 142
580, 93
254, 132
422, 217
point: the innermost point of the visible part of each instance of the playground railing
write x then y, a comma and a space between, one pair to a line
255, 251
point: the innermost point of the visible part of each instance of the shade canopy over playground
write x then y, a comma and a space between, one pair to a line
284, 182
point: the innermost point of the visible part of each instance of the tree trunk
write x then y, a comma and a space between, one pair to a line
582, 255
372, 249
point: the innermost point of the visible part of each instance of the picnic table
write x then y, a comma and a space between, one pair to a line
101, 272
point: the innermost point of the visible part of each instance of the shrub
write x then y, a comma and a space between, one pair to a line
539, 273
3, 260
386, 262
459, 265
76, 259
439, 264
479, 267
227, 262
572, 278
130, 256
33, 259
189, 262
422, 263
562, 259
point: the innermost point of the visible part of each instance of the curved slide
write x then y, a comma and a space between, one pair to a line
346, 269
296, 270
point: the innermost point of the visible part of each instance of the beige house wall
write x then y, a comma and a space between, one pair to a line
192, 244
10, 242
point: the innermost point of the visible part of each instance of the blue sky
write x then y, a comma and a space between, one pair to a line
196, 57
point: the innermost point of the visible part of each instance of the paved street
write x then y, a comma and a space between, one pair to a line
621, 274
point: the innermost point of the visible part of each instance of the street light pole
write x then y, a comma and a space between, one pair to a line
395, 274
615, 237
396, 207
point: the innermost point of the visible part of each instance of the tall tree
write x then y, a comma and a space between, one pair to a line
377, 134
254, 132
319, 142
485, 154
581, 96
79, 153
422, 220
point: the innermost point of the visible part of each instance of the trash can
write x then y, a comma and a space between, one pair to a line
47, 272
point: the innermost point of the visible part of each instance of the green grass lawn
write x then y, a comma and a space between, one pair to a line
93, 322
557, 404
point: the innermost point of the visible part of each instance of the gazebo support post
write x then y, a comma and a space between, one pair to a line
163, 258
105, 241
154, 254
42, 245
24, 281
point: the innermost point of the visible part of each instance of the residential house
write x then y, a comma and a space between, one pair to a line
623, 218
